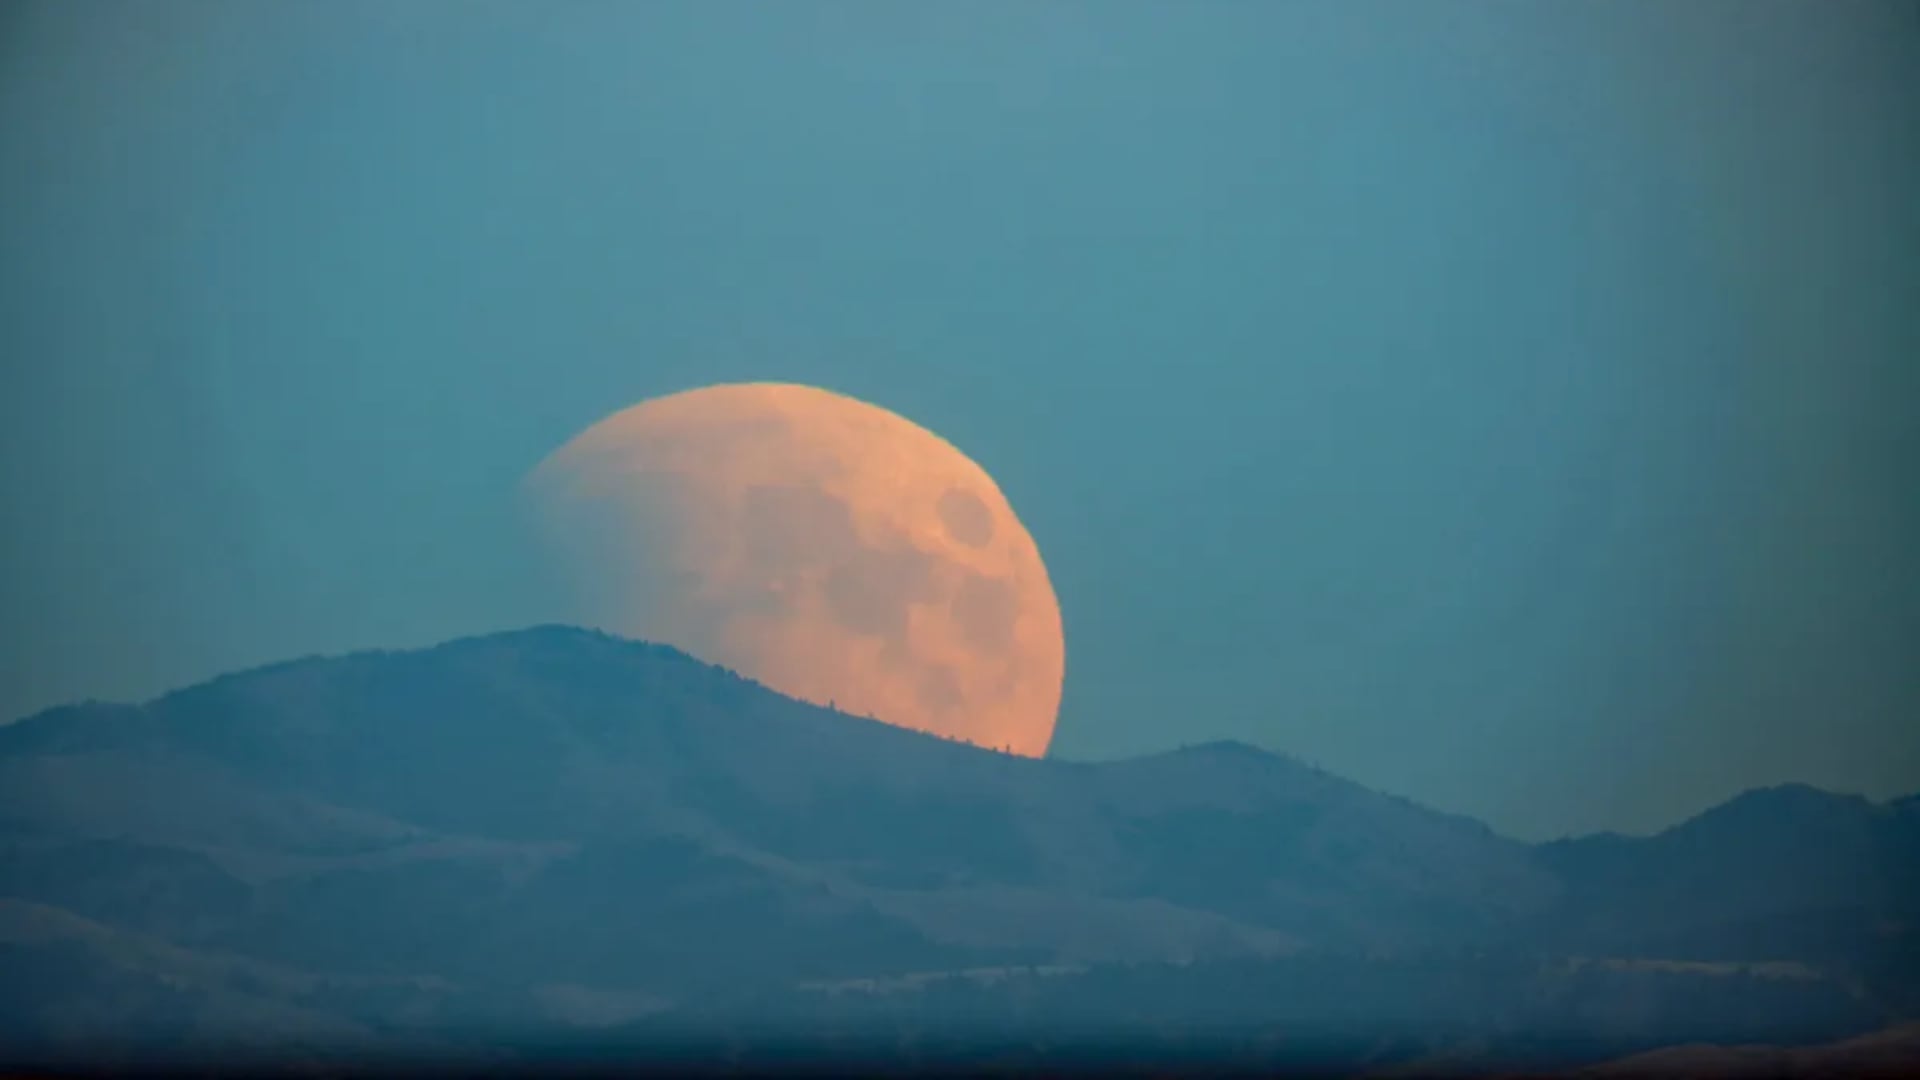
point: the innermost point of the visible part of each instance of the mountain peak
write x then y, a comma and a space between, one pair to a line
1228, 748
1781, 804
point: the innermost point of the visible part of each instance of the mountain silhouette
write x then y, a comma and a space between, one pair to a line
555, 830
1788, 873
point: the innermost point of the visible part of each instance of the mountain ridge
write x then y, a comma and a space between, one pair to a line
557, 814
105, 715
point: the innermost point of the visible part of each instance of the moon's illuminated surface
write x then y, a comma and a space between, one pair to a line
826, 547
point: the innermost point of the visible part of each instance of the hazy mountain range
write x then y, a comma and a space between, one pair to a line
555, 842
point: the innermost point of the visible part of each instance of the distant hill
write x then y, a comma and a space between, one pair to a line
1788, 873
556, 830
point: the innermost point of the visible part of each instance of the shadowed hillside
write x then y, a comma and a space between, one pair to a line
559, 838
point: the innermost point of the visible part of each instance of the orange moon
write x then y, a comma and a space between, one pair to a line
828, 548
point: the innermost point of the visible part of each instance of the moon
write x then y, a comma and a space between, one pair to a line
825, 547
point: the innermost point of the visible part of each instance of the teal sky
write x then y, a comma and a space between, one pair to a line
1511, 406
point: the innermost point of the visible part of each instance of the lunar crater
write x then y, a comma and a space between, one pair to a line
966, 518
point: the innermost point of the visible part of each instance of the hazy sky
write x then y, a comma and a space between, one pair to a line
1512, 406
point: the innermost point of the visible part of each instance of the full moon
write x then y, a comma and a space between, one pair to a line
828, 548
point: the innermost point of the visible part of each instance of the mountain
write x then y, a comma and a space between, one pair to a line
559, 836
559, 751
1788, 873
